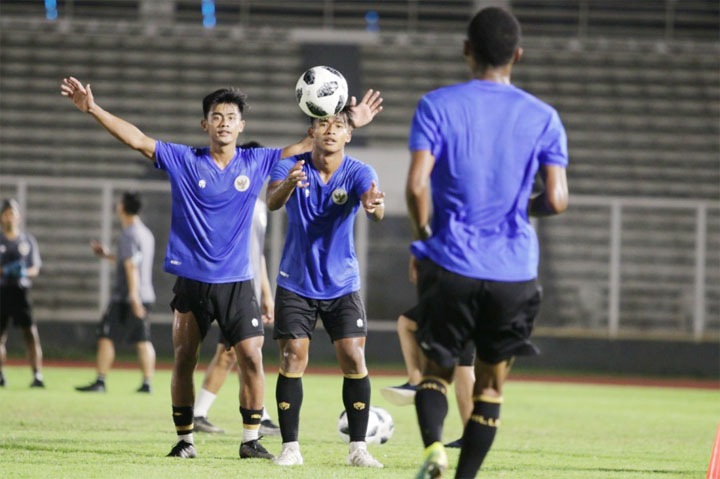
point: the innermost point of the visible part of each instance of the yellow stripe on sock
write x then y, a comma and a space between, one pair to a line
184, 428
290, 375
356, 375
488, 399
438, 379
251, 426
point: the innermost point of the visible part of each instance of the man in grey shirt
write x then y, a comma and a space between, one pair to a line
19, 261
132, 295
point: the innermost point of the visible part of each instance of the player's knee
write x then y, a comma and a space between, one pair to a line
250, 359
227, 359
294, 358
185, 357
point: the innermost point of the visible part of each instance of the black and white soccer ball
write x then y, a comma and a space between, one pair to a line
321, 92
380, 426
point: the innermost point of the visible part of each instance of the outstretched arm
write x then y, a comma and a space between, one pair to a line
554, 198
362, 114
82, 97
417, 193
373, 201
278, 192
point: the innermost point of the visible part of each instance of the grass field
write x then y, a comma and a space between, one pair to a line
549, 431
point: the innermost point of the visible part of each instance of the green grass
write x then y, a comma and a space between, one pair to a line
548, 431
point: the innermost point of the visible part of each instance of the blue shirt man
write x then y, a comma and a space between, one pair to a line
319, 259
488, 140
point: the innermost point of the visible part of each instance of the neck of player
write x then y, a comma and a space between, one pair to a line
222, 155
128, 220
494, 74
11, 232
327, 162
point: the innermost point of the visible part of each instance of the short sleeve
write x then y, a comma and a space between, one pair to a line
266, 158
364, 177
553, 143
128, 248
281, 169
425, 129
170, 156
35, 260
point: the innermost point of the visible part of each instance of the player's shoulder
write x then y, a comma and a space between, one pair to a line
534, 102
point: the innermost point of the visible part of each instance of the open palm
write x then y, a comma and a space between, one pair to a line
80, 95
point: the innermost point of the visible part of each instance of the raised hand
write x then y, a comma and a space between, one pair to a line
364, 112
296, 176
372, 199
80, 95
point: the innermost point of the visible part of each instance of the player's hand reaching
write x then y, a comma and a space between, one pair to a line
372, 199
80, 95
364, 112
138, 309
296, 176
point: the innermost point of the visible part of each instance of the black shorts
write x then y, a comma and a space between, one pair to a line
233, 305
14, 304
426, 278
119, 323
496, 316
296, 316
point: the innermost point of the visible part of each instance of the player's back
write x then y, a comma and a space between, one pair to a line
488, 140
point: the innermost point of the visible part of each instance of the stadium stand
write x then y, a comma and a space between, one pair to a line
641, 116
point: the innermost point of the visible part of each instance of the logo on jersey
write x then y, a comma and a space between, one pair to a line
24, 248
254, 322
242, 183
359, 406
360, 323
202, 184
339, 196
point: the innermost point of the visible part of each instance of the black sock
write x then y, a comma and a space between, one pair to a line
432, 407
289, 396
183, 419
356, 398
479, 435
251, 423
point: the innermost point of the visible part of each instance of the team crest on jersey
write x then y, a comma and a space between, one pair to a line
339, 196
24, 248
242, 183
202, 184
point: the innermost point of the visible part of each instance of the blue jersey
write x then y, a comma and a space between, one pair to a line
319, 259
212, 210
488, 141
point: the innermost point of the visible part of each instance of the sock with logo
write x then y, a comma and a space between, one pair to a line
432, 407
479, 434
289, 396
183, 419
251, 423
356, 398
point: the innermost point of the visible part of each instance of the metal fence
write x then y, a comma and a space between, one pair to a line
602, 241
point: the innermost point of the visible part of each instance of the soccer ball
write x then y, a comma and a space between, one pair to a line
379, 430
321, 92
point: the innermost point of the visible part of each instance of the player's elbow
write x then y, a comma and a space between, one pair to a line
558, 200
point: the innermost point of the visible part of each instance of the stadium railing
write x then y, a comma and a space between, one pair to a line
605, 255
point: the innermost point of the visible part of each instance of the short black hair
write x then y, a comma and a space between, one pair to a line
493, 35
9, 203
346, 111
250, 144
225, 95
132, 202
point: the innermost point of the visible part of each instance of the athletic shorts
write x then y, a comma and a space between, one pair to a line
14, 304
120, 323
496, 316
426, 277
296, 316
233, 305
